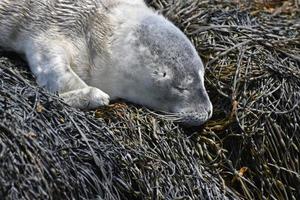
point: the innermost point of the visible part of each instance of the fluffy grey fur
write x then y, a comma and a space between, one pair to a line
91, 51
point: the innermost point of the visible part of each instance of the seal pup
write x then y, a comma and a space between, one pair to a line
91, 51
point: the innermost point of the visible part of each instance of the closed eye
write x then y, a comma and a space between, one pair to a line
180, 88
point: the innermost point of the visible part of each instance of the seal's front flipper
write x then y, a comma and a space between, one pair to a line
50, 63
86, 98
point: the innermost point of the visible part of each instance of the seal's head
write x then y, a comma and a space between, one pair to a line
154, 64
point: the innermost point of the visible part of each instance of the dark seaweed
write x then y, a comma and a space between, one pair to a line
249, 150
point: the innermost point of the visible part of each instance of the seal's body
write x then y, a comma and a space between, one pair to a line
91, 51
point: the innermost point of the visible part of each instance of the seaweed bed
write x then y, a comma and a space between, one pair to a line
248, 150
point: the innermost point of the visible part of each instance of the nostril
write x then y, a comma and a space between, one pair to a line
209, 113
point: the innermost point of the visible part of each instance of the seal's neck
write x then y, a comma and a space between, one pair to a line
113, 22
115, 43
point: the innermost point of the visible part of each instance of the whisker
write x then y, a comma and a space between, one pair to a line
173, 117
180, 117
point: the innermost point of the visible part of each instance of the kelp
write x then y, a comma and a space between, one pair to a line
248, 150
252, 62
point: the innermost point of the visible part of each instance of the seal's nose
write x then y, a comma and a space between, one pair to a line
209, 113
209, 110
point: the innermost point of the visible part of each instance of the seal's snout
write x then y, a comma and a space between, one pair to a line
196, 118
198, 115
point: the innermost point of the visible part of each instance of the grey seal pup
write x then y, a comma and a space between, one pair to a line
91, 51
